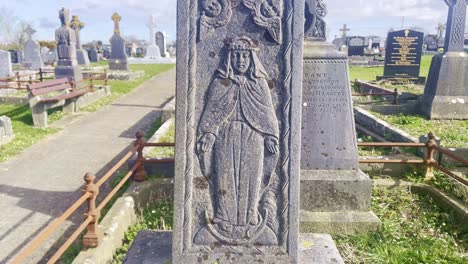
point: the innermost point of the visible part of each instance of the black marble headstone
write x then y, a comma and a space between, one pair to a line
93, 55
13, 56
356, 46
403, 56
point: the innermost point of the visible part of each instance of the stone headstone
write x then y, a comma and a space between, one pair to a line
238, 98
152, 50
32, 53
117, 57
67, 66
93, 54
334, 192
81, 54
356, 46
403, 56
13, 56
431, 43
161, 43
446, 92
5, 64
46, 56
20, 55
6, 130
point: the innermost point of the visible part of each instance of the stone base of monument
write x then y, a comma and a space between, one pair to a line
125, 75
153, 52
82, 57
67, 71
156, 247
336, 202
118, 65
446, 92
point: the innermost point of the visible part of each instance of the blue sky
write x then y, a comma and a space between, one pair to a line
363, 17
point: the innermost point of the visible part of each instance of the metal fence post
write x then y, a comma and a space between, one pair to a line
93, 236
430, 161
395, 96
105, 77
140, 172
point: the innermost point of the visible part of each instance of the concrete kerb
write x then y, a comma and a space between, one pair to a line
443, 200
387, 131
124, 213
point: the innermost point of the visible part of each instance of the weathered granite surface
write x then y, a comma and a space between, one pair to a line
6, 130
81, 54
331, 181
67, 65
5, 64
93, 55
152, 50
118, 56
155, 247
446, 92
161, 43
239, 76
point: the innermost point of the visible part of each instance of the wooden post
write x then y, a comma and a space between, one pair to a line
140, 172
395, 96
92, 237
105, 77
430, 161
18, 80
41, 78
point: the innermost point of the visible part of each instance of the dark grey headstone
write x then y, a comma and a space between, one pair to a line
117, 57
13, 56
93, 55
403, 53
161, 43
239, 76
446, 92
67, 66
356, 46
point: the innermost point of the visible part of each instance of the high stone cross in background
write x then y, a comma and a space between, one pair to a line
455, 34
29, 31
77, 25
116, 18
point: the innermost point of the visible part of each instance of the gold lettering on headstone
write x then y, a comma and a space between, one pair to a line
406, 54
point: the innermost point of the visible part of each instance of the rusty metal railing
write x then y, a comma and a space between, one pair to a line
429, 161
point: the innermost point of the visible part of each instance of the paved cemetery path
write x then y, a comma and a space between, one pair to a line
40, 183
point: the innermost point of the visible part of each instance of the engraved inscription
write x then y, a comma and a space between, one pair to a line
238, 136
322, 91
404, 52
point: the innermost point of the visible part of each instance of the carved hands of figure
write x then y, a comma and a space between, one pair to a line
267, 14
207, 142
271, 144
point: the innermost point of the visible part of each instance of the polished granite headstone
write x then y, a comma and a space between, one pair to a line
161, 43
239, 77
446, 92
67, 66
356, 46
403, 53
118, 57
335, 194
93, 55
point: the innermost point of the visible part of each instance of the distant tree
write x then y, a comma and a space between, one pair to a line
12, 30
48, 44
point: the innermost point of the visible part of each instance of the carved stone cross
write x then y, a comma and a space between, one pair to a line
151, 24
116, 18
29, 31
344, 30
77, 25
455, 33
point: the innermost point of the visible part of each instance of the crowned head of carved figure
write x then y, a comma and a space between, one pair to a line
241, 54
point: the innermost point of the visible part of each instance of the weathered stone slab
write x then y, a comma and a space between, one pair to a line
6, 130
5, 64
155, 247
331, 181
239, 77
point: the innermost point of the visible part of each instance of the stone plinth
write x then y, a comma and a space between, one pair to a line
153, 52
446, 92
331, 182
156, 247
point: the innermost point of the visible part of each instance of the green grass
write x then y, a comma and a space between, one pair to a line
371, 73
414, 230
156, 217
26, 135
453, 133
164, 152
